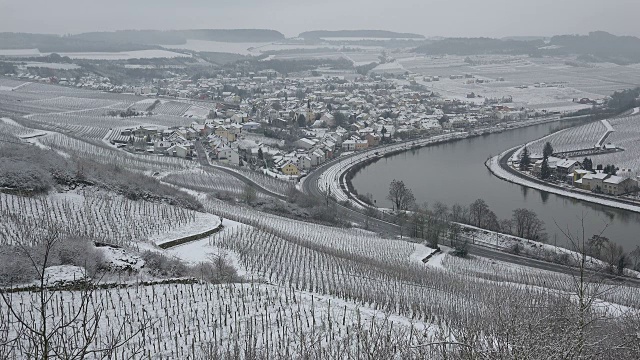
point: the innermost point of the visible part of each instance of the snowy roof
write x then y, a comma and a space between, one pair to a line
598, 176
614, 180
566, 163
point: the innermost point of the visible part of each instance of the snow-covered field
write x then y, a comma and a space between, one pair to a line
223, 319
57, 66
623, 132
562, 82
125, 55
102, 216
309, 290
577, 138
627, 137
255, 49
221, 47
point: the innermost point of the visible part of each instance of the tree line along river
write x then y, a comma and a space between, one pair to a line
454, 172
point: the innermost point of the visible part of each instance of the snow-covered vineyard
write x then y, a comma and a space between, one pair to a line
101, 216
620, 133
146, 256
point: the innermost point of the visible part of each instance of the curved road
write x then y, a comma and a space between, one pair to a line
204, 162
310, 186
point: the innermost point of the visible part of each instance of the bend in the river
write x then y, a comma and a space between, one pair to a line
454, 172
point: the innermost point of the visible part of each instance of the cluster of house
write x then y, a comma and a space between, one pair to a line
178, 141
597, 181
605, 183
327, 115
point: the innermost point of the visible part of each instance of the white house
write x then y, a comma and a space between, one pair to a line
305, 143
179, 151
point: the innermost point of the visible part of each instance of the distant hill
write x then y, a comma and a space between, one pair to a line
55, 43
598, 46
479, 46
524, 38
235, 35
148, 37
178, 37
130, 40
381, 34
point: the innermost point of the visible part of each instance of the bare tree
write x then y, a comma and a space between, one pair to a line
614, 255
527, 224
596, 245
249, 194
459, 213
478, 212
634, 258
47, 331
370, 213
401, 196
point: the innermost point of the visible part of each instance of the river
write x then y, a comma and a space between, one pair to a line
455, 173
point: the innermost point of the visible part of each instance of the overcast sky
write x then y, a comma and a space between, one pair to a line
493, 18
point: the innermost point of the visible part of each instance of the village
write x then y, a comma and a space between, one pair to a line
284, 127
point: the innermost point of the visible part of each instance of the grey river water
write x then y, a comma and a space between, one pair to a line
455, 173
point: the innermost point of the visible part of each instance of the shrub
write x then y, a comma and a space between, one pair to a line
161, 265
78, 251
216, 271
23, 176
15, 267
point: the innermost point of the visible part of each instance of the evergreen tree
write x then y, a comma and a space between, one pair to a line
525, 160
610, 169
302, 121
545, 171
547, 151
587, 164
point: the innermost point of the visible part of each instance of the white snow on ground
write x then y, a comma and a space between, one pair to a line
201, 251
20, 52
221, 47
607, 125
64, 274
420, 253
204, 222
366, 311
499, 273
118, 259
436, 260
36, 64
220, 314
125, 55
10, 122
278, 176
636, 111
504, 241
197, 112
494, 165
396, 65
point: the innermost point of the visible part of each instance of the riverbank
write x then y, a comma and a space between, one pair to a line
499, 166
335, 180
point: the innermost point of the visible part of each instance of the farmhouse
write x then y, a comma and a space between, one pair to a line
593, 181
179, 151
565, 167
290, 169
618, 185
